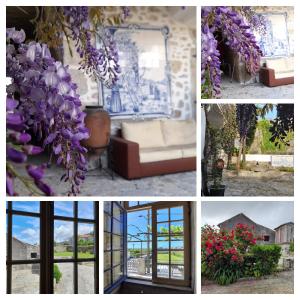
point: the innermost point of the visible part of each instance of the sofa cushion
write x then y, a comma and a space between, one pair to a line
179, 132
189, 151
159, 154
147, 134
283, 66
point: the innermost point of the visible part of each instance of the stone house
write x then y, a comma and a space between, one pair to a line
267, 234
284, 234
25, 251
22, 251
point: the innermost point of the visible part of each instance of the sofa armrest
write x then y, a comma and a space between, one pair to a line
126, 158
267, 76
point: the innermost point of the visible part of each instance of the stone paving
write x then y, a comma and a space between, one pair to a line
279, 283
268, 183
99, 183
235, 90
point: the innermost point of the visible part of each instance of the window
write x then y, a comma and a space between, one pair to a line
75, 251
23, 247
266, 238
171, 243
114, 236
52, 247
158, 242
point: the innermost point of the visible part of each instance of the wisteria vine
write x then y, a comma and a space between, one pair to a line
42, 105
237, 32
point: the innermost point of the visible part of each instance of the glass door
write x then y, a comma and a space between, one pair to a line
171, 243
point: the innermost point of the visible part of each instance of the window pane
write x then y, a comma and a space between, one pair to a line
163, 228
107, 207
106, 241
117, 211
25, 237
107, 278
117, 273
163, 257
177, 272
133, 203
177, 257
117, 227
107, 223
63, 239
117, 242
86, 278
163, 271
176, 227
28, 206
176, 213
107, 260
177, 242
86, 209
63, 278
86, 241
163, 243
25, 279
117, 257
162, 215
64, 208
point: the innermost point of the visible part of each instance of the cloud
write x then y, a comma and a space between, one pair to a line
29, 236
63, 231
267, 213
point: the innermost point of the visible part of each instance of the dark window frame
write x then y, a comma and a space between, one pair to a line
123, 222
47, 260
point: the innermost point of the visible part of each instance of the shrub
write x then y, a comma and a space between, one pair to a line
291, 248
222, 252
57, 273
266, 259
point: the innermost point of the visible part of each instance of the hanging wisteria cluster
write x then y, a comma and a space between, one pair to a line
103, 62
42, 104
42, 99
236, 31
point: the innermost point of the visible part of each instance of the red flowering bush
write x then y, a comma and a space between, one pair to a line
222, 252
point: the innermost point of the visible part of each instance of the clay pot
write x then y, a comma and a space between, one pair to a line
97, 120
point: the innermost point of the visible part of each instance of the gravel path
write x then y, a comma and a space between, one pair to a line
250, 183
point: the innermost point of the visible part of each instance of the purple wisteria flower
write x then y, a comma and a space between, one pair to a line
103, 62
237, 33
43, 98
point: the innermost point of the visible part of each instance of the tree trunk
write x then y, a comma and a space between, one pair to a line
244, 151
204, 164
229, 160
238, 161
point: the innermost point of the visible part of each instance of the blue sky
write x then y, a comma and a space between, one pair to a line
137, 225
27, 229
271, 115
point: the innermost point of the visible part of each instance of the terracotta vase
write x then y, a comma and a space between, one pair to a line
97, 120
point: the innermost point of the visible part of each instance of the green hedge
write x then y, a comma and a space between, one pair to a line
264, 260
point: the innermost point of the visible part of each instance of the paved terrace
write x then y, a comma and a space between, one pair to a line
99, 183
235, 90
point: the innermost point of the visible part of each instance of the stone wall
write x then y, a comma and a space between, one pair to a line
258, 229
182, 57
285, 234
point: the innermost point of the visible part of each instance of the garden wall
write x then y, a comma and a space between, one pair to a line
274, 160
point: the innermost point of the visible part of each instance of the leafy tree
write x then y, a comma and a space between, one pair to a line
229, 131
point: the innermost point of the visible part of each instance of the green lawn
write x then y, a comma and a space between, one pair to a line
175, 258
70, 254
